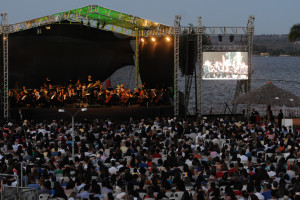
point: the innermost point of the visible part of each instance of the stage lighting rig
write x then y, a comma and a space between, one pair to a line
168, 39
48, 27
153, 39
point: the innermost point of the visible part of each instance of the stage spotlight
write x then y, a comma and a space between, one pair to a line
4, 38
231, 38
168, 39
220, 37
153, 39
48, 27
142, 40
38, 31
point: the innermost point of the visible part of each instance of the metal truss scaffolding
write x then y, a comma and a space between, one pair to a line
243, 42
176, 63
101, 18
245, 85
199, 64
250, 33
5, 31
137, 57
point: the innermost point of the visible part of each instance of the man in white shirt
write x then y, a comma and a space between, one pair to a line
272, 172
121, 195
113, 168
81, 185
258, 194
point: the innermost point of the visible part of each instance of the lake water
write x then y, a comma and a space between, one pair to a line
284, 72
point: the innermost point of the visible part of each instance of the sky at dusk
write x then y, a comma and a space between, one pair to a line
271, 16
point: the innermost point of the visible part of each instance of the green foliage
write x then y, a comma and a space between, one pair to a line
258, 49
294, 33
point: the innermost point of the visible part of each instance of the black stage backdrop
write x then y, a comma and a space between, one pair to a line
71, 52
65, 52
157, 62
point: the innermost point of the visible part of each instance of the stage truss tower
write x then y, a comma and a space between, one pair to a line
242, 40
5, 31
176, 63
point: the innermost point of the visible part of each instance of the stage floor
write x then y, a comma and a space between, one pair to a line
112, 112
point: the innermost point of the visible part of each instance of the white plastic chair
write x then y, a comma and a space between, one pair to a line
142, 195
44, 196
179, 194
222, 189
268, 155
169, 194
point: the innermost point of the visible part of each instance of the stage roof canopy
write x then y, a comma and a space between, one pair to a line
102, 18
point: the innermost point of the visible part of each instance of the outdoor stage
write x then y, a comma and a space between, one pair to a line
112, 112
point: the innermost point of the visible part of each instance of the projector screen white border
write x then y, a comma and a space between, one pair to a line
225, 66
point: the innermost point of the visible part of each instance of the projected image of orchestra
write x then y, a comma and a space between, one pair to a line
225, 65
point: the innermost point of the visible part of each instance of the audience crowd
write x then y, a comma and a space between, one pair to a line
161, 158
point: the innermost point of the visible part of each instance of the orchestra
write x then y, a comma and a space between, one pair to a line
91, 93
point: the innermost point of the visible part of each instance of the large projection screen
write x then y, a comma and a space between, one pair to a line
225, 65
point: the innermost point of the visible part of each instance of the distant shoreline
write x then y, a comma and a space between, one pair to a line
274, 56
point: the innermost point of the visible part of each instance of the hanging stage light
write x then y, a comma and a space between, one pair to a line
168, 39
231, 38
142, 40
48, 27
220, 37
153, 39
38, 31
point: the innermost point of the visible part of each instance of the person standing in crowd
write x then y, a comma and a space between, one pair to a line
269, 115
280, 117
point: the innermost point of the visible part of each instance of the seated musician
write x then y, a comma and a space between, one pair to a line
47, 83
24, 90
89, 81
